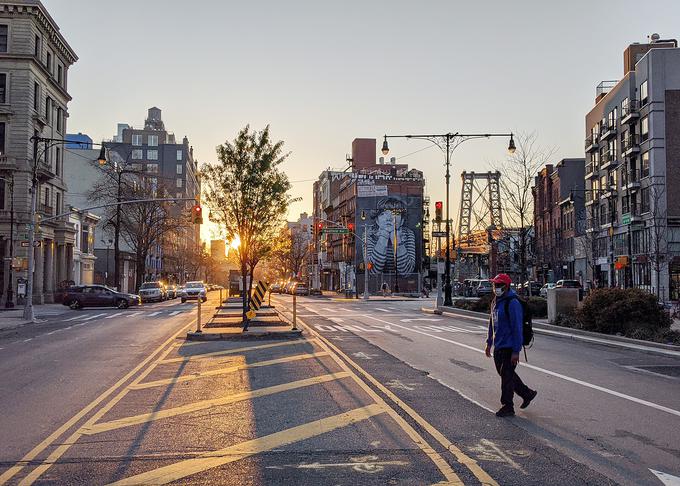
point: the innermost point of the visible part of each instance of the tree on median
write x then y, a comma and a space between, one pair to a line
247, 195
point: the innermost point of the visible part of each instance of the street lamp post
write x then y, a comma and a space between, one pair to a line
448, 142
108, 247
9, 302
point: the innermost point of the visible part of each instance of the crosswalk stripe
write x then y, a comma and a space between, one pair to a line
76, 317
94, 317
381, 309
174, 313
154, 313
134, 314
114, 315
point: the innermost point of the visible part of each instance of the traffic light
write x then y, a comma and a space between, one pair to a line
350, 227
438, 206
319, 227
197, 214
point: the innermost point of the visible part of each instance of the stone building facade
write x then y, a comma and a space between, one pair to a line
34, 63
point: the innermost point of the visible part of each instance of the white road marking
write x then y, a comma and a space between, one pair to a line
330, 309
134, 314
27, 340
666, 479
547, 372
114, 315
154, 314
397, 384
392, 308
93, 317
336, 319
421, 319
381, 309
77, 325
76, 317
363, 355
174, 313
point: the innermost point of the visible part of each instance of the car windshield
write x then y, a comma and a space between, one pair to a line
150, 285
194, 285
485, 284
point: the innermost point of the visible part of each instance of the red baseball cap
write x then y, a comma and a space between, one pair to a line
502, 278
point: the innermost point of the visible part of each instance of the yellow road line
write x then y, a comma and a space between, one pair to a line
463, 458
225, 371
234, 350
33, 453
182, 469
66, 445
204, 404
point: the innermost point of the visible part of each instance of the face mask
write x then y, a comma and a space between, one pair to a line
499, 292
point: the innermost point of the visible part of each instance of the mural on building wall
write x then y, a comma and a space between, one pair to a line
391, 219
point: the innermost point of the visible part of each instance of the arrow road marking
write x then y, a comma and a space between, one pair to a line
665, 478
364, 464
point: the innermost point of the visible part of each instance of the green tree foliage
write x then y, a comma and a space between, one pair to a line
247, 194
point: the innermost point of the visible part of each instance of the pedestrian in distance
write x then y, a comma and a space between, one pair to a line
506, 337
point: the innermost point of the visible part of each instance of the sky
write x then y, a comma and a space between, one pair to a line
322, 73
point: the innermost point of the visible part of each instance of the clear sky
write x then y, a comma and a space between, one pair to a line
322, 73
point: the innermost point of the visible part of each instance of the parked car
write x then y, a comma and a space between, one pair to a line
79, 296
545, 288
152, 292
171, 291
300, 289
275, 288
194, 290
568, 284
288, 288
531, 288
484, 287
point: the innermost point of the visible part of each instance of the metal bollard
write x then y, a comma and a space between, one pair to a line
198, 316
294, 312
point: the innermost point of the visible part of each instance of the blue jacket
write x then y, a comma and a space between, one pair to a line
505, 330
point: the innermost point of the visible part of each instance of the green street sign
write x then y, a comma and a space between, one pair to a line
625, 218
335, 231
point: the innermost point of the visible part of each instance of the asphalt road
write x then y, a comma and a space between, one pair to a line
615, 411
118, 397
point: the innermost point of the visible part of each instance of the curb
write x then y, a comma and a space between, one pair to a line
214, 336
573, 334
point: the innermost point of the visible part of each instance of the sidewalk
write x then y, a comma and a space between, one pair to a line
10, 319
541, 326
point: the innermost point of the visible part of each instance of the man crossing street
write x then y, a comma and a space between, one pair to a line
505, 335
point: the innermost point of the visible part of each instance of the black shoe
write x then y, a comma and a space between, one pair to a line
505, 411
527, 400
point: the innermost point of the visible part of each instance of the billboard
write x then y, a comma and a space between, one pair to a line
394, 228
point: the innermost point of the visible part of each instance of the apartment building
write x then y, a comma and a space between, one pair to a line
558, 195
632, 150
377, 200
34, 63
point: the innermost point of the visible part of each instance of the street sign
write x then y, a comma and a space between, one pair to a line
24, 244
335, 231
439, 234
625, 218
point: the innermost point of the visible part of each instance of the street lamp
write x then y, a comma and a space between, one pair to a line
108, 247
9, 302
448, 142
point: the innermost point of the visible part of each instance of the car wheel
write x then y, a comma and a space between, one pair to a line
123, 304
184, 300
75, 304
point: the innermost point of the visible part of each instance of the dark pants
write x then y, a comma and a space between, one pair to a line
510, 381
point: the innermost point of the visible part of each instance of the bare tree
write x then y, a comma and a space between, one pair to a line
517, 177
658, 228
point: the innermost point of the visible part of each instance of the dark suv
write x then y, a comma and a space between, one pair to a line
80, 296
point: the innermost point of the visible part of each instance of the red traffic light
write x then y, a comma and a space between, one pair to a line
438, 210
350, 226
198, 208
197, 214
438, 205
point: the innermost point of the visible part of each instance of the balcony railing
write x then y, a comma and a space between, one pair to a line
631, 177
608, 158
46, 210
629, 110
608, 129
591, 142
630, 144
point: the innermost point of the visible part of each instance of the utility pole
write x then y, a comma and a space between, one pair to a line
28, 306
365, 242
9, 303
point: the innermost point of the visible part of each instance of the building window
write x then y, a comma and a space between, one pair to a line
152, 140
2, 193
60, 74
57, 161
48, 62
3, 38
137, 140
137, 154
152, 154
644, 128
85, 240
48, 110
644, 165
2, 138
179, 168
36, 96
644, 202
3, 88
180, 182
644, 93
179, 195
153, 168
180, 155
60, 119
36, 47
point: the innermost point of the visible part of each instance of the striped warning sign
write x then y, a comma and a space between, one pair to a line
257, 298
